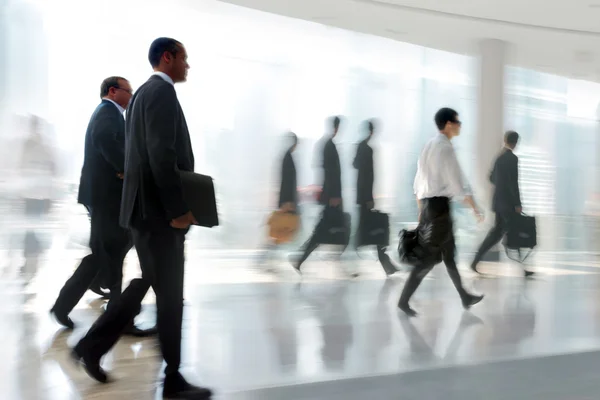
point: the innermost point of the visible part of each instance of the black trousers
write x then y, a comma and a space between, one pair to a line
384, 258
161, 255
495, 235
110, 244
315, 240
437, 226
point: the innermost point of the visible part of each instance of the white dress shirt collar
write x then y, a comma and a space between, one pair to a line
166, 77
121, 109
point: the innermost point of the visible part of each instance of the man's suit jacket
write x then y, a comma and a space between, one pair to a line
99, 186
505, 177
157, 147
288, 192
332, 181
363, 162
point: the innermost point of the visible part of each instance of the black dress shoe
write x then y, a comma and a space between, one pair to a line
470, 300
90, 365
62, 319
176, 387
133, 330
407, 310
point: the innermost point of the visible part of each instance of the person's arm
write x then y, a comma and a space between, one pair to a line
457, 182
160, 118
333, 174
287, 191
357, 158
493, 174
104, 139
514, 185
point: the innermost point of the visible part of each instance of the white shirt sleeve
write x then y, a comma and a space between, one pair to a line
417, 181
457, 183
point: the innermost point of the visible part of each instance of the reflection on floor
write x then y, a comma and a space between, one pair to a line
256, 335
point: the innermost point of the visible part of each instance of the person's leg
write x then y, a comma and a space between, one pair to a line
76, 286
74, 289
107, 329
161, 254
448, 256
310, 246
386, 262
415, 278
116, 251
493, 238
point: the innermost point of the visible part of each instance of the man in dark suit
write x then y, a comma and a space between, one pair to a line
365, 180
331, 193
157, 148
100, 190
288, 190
506, 202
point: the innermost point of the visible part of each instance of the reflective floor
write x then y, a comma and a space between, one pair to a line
252, 334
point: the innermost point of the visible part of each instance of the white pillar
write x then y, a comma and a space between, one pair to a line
490, 131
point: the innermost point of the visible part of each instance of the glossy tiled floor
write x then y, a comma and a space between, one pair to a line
256, 335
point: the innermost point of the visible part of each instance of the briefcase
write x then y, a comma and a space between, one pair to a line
412, 251
521, 234
334, 227
373, 229
199, 195
283, 226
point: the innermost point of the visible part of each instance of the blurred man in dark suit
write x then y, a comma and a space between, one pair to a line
157, 148
288, 190
506, 202
331, 194
100, 191
365, 180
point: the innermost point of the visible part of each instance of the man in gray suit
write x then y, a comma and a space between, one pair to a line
157, 147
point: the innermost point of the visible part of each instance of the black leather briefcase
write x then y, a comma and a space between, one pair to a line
373, 229
521, 234
334, 227
413, 251
199, 195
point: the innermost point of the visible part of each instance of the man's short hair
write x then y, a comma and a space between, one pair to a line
110, 82
443, 116
159, 47
511, 138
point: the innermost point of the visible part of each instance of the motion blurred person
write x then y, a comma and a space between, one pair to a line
100, 190
38, 170
506, 202
363, 162
439, 179
331, 194
157, 147
288, 189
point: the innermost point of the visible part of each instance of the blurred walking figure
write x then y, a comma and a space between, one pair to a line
284, 223
334, 225
38, 173
439, 179
365, 180
506, 202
